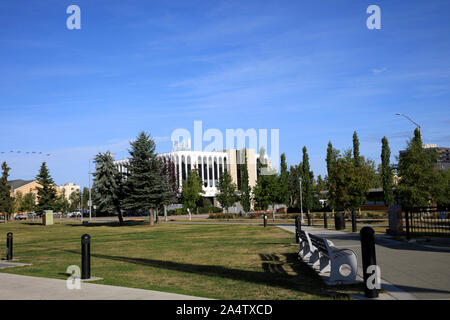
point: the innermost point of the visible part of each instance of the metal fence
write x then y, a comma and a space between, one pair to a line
427, 221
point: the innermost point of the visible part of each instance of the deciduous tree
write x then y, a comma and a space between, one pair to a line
386, 173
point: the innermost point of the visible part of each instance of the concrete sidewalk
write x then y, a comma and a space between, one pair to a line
417, 270
18, 287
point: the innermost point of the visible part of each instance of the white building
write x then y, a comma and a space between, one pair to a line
210, 164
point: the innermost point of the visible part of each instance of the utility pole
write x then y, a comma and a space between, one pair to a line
90, 200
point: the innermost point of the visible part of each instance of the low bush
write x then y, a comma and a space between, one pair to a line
221, 215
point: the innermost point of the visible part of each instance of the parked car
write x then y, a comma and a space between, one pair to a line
20, 217
74, 214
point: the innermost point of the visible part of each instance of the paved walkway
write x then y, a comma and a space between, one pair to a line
419, 270
17, 287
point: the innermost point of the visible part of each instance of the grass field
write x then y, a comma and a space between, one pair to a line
213, 261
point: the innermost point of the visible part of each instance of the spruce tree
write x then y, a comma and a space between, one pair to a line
245, 188
108, 185
386, 173
307, 185
6, 201
284, 183
146, 188
47, 192
356, 156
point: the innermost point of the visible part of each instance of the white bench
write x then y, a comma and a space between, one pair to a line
320, 252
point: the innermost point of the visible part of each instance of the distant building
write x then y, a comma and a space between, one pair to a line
24, 187
68, 188
30, 186
210, 165
443, 161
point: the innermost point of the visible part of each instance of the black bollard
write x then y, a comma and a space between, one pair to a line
85, 256
367, 235
353, 221
325, 220
297, 240
9, 246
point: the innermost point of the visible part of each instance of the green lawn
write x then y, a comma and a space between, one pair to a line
214, 261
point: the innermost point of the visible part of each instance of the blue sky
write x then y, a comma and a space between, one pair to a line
309, 68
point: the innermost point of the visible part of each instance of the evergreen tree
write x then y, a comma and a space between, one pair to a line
108, 185
356, 156
227, 191
192, 190
386, 173
416, 171
284, 183
47, 192
307, 183
6, 201
245, 188
146, 188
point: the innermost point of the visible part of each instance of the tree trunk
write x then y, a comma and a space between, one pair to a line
120, 216
157, 218
150, 216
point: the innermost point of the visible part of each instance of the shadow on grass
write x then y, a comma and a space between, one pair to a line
108, 224
273, 273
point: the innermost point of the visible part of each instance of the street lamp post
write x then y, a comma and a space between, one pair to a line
90, 200
401, 114
301, 200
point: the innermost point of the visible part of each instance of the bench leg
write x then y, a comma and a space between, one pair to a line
324, 264
314, 259
305, 252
